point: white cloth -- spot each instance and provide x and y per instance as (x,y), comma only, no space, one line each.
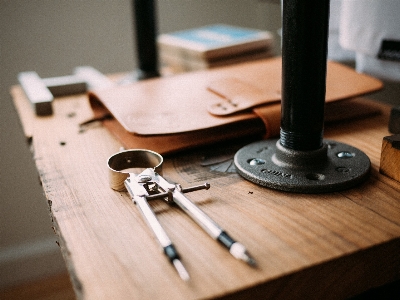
(335,50)
(364,24)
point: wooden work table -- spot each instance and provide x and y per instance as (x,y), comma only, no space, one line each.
(325,246)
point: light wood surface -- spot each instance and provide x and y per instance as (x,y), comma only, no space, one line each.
(325,246)
(390,157)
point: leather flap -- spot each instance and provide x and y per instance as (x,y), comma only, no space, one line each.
(238,95)
(178,104)
(166,105)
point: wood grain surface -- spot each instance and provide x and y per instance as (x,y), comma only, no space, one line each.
(390,157)
(324,246)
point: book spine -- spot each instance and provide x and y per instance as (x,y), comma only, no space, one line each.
(179,64)
(189,50)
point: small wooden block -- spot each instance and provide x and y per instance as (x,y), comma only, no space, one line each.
(390,157)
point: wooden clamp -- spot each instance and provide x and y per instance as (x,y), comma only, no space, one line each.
(390,157)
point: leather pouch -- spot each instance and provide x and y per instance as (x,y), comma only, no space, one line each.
(173,113)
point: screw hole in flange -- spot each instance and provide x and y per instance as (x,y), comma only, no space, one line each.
(331,145)
(315,176)
(342,170)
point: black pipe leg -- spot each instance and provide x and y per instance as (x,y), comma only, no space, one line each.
(301,161)
(144,12)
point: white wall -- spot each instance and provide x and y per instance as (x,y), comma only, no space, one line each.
(51,38)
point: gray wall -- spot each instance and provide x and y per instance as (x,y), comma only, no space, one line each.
(51,38)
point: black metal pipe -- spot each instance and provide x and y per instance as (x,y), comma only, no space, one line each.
(305,25)
(144,14)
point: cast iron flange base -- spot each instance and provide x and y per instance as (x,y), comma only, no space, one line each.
(334,167)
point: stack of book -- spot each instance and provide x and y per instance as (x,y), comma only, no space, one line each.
(212,46)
